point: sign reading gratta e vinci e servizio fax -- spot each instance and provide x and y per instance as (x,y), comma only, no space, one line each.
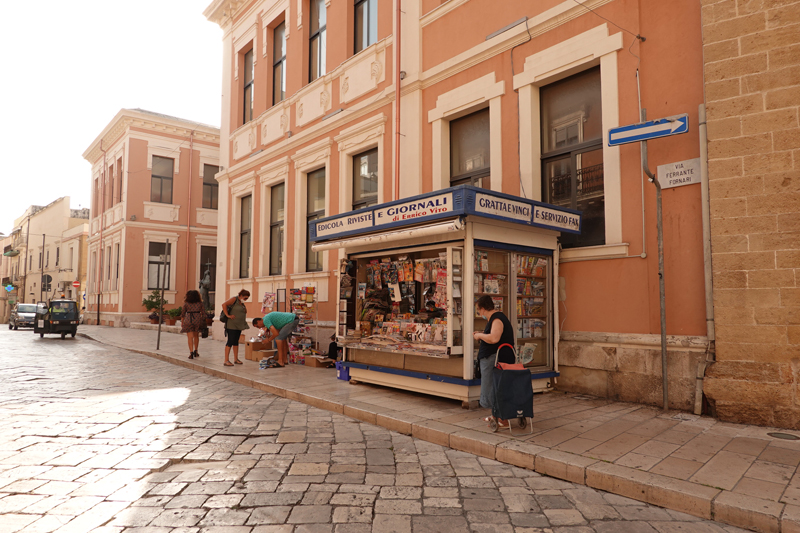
(447,203)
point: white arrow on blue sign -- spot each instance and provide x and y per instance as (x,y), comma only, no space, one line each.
(652,129)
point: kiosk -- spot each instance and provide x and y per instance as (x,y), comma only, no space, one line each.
(411,271)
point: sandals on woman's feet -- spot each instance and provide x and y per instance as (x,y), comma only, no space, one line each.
(238,362)
(228,363)
(487,419)
(502,423)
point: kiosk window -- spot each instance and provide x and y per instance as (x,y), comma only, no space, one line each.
(572,153)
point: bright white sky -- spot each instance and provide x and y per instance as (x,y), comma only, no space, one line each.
(69,67)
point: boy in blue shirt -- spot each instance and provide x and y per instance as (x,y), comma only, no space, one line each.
(278,327)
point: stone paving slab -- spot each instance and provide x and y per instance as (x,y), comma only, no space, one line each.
(671,459)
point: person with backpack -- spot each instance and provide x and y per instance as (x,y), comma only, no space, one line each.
(236,313)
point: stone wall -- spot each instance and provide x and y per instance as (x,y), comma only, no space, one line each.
(627,367)
(752,77)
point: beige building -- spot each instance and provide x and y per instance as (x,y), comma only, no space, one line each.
(153,187)
(8,263)
(51,245)
(752,90)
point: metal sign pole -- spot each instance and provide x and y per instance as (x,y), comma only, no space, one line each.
(661,289)
(161,301)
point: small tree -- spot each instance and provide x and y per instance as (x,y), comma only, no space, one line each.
(154,301)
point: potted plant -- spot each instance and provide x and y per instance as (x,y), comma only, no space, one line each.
(153,303)
(209,317)
(172,315)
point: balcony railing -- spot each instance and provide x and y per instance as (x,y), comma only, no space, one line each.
(588,184)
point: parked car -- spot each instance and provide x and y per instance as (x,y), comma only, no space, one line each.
(23,315)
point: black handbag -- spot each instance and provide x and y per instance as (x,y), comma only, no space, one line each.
(223,317)
(204,333)
(476,374)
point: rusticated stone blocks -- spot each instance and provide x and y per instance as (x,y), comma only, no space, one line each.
(752,77)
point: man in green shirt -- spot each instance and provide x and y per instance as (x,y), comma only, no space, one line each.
(279,326)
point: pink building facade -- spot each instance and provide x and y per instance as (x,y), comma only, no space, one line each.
(153,191)
(517,100)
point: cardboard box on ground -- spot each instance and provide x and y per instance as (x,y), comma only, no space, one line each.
(255,346)
(318,361)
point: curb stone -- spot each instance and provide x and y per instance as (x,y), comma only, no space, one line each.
(675,494)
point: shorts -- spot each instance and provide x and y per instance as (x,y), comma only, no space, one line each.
(232,336)
(287,330)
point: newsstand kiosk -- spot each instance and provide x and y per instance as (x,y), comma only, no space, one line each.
(411,271)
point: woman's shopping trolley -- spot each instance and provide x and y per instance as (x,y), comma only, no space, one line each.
(513,393)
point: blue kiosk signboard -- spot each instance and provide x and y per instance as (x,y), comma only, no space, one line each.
(413,270)
(463,200)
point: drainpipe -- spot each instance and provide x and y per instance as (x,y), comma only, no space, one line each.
(27,248)
(661,287)
(100,248)
(397,105)
(709,287)
(189,209)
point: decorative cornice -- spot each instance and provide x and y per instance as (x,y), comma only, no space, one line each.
(128,118)
(536,26)
(222,12)
(373,127)
(440,11)
(336,122)
(312,153)
(243,184)
(276,168)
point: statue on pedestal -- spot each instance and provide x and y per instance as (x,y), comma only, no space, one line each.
(205,286)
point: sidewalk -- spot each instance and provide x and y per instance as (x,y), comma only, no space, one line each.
(732,473)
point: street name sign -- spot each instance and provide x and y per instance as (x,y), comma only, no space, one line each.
(652,129)
(679,174)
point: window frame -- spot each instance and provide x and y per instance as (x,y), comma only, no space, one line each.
(370,5)
(472,177)
(315,215)
(365,203)
(212,291)
(248,87)
(569,241)
(161,179)
(212,187)
(245,233)
(167,266)
(320,36)
(583,51)
(116,265)
(118,199)
(279,62)
(278,224)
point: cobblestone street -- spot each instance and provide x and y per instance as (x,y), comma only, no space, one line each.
(98,439)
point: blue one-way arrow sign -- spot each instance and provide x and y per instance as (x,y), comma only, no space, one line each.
(652,129)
